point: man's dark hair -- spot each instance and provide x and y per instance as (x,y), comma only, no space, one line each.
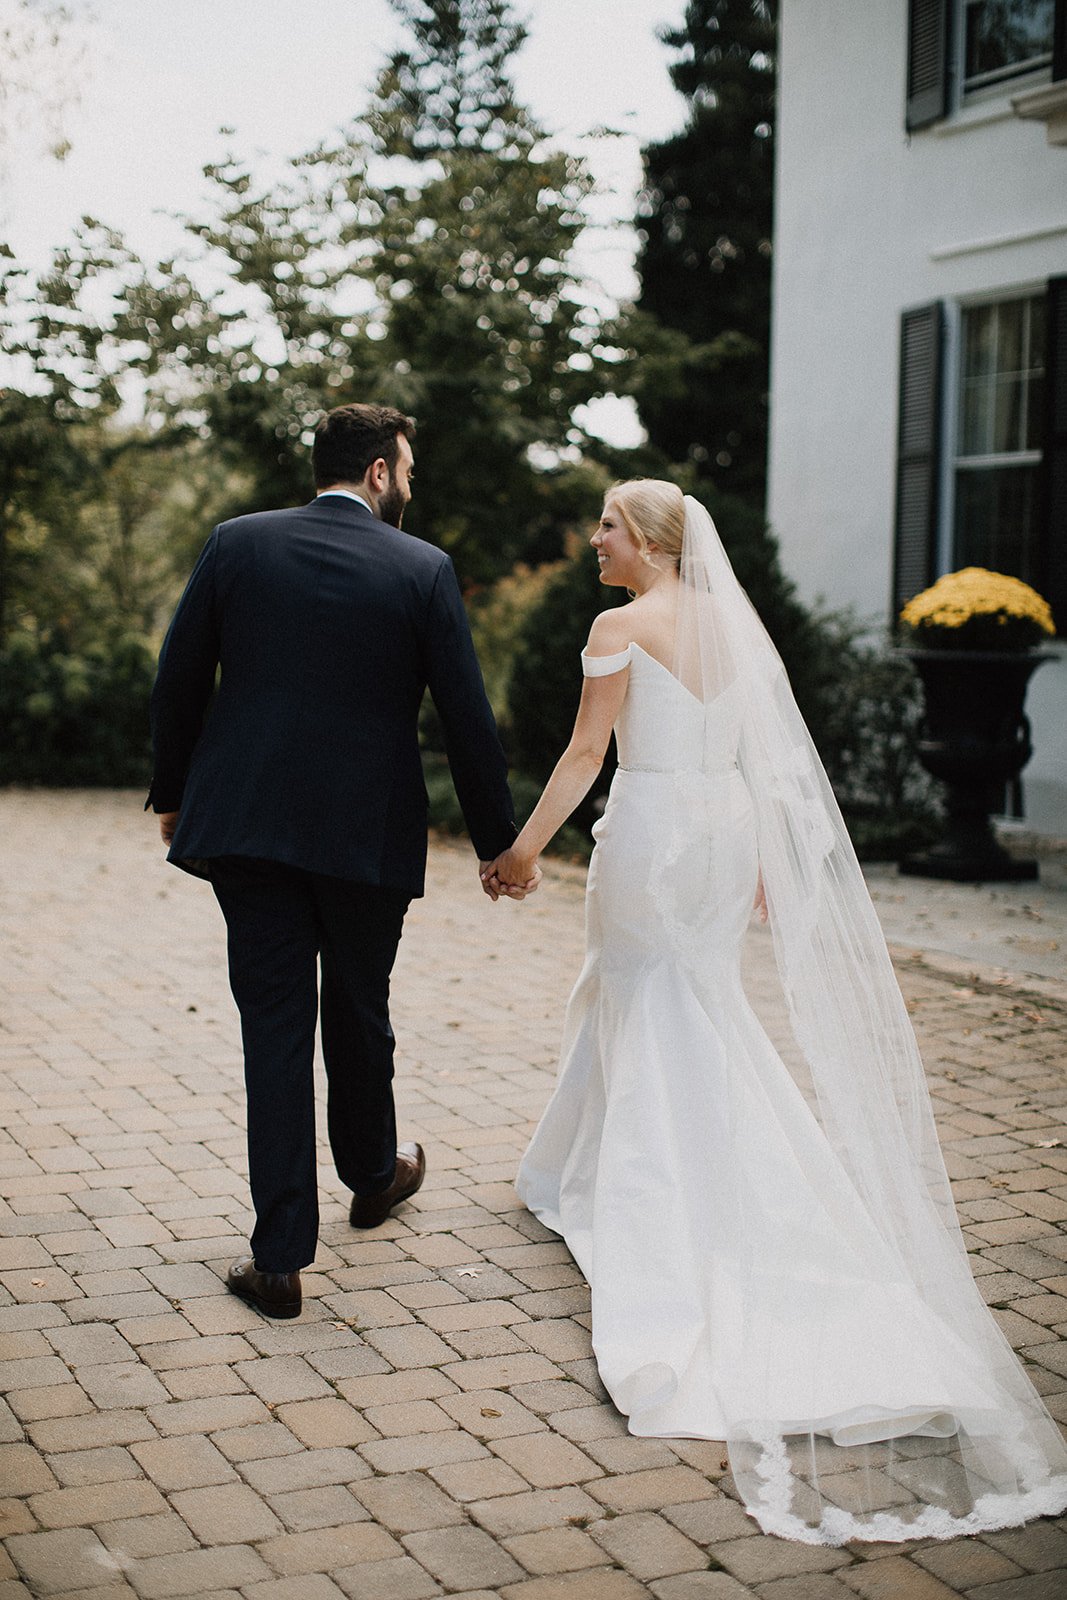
(349,439)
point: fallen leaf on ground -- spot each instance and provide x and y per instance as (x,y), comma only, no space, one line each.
(469,1272)
(487,1411)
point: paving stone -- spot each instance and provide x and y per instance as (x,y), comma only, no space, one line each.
(647,1546)
(1039,1547)
(555,1550)
(197,1572)
(889,1578)
(22,1471)
(373,1308)
(1032,1586)
(99,1428)
(500,1372)
(720,1586)
(96,1503)
(183,1463)
(228,1513)
(324,1423)
(599,1583)
(52,1563)
(478,1480)
(207,1416)
(490,1414)
(253,1443)
(90,1345)
(626,1454)
(308,1586)
(394,1388)
(760,1560)
(400,1579)
(280,1378)
(138,1537)
(327,1549)
(468,1314)
(16,1517)
(511,1514)
(326,1507)
(307,1469)
(414,1346)
(36,1372)
(121,1385)
(407,1502)
(546,1461)
(408,1417)
(712,1521)
(805,1586)
(965,1563)
(418,1452)
(463,1558)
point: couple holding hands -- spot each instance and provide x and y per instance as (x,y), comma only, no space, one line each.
(773,1253)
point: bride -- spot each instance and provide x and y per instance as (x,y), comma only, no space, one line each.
(773,1252)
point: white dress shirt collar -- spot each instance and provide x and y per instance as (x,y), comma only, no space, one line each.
(349,495)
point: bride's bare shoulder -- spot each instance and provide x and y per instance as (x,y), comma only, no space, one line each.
(612,631)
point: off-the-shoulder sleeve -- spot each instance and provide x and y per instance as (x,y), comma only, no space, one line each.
(603,666)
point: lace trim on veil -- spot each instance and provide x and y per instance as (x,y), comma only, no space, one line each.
(777,1484)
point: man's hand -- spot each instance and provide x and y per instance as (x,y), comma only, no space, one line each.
(168,821)
(510,875)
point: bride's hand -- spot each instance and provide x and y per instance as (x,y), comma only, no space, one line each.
(760,903)
(512,874)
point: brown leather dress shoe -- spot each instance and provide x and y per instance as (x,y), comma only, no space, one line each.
(276,1294)
(370,1211)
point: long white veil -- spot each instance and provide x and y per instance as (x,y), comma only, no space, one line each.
(898,1470)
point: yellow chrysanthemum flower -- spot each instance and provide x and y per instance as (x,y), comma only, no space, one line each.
(979,609)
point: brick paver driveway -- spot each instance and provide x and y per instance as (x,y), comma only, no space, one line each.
(433,1422)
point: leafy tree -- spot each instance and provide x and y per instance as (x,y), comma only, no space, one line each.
(41,59)
(705,217)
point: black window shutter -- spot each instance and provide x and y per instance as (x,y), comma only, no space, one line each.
(918,451)
(1054,457)
(928,24)
(1059,42)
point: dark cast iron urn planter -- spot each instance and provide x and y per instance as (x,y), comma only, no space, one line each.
(975,739)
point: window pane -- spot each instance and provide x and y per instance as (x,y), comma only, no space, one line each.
(976,418)
(1006,36)
(979,341)
(1002,377)
(996,520)
(1035,400)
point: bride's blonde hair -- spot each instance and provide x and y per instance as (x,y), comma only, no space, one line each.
(653,512)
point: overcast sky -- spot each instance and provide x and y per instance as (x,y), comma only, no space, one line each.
(160,77)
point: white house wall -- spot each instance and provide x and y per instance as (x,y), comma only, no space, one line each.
(869,222)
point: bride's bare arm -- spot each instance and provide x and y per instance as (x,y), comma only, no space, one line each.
(576,768)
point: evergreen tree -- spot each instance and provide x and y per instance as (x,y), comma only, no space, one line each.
(704,264)
(468,220)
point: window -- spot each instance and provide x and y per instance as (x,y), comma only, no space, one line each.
(1003,39)
(982,442)
(997,468)
(961,51)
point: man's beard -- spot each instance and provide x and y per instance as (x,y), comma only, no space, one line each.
(391,504)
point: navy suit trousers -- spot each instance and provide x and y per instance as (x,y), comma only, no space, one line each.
(281,923)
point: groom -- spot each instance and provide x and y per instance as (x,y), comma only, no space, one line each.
(298,791)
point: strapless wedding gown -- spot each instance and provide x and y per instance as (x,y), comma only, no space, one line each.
(735,1270)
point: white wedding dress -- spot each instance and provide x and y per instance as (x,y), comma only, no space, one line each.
(742,1287)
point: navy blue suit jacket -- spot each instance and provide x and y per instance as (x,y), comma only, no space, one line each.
(328,625)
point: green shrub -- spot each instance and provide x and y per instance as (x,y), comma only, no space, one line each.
(69,717)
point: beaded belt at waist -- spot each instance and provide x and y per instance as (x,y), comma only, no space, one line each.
(683,772)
